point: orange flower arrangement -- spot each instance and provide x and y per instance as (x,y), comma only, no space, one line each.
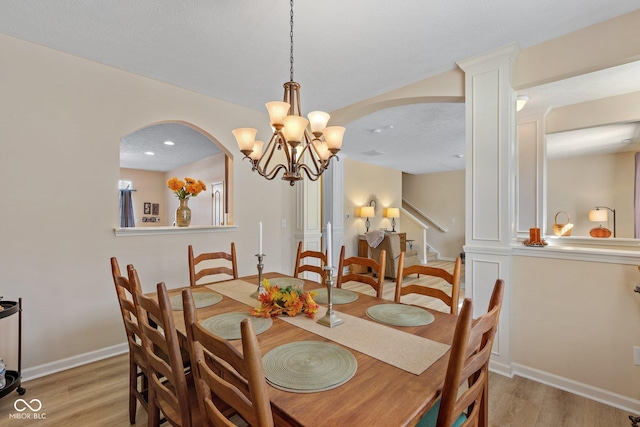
(187,188)
(290,301)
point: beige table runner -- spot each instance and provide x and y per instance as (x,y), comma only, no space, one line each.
(401,349)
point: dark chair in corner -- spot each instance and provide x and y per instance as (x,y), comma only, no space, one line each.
(312,261)
(229,265)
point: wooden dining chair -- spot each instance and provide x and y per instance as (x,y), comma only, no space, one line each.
(468,366)
(138,373)
(377,267)
(171,391)
(312,261)
(229,264)
(221,371)
(453,279)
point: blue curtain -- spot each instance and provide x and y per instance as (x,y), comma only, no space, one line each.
(126,209)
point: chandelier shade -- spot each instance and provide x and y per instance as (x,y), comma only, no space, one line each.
(297,146)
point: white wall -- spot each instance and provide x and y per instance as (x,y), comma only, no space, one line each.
(62,119)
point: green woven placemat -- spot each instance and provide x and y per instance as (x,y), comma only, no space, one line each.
(400,315)
(227,325)
(309,366)
(338,296)
(283,282)
(201,299)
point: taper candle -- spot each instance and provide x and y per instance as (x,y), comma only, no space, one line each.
(329,245)
(260,239)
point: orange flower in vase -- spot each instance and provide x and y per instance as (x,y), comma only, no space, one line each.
(184,190)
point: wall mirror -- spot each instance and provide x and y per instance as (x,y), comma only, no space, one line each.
(155,153)
(591,126)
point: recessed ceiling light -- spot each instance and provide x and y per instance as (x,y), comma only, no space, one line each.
(169,143)
(149,153)
(379,130)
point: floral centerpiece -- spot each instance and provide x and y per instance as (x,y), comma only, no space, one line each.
(187,188)
(290,301)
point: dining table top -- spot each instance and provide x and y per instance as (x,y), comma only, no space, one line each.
(378,394)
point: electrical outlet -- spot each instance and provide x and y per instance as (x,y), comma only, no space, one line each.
(636,355)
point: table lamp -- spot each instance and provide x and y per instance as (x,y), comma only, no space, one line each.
(366,212)
(599,214)
(392,213)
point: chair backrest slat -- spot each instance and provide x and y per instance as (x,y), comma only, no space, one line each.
(377,267)
(452,278)
(240,383)
(168,391)
(303,264)
(229,268)
(469,363)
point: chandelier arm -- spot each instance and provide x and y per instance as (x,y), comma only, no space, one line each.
(310,174)
(274,142)
(274,172)
(268,153)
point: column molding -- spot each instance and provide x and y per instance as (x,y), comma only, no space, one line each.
(491,183)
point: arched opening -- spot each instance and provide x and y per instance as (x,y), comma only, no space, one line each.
(150,156)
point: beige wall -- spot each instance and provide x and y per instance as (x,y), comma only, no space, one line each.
(440,196)
(577,320)
(208,170)
(578,184)
(360,182)
(150,188)
(62,119)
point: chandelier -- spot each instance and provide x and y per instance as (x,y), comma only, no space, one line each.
(292,142)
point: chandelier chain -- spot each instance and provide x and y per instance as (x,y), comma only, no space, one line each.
(291,45)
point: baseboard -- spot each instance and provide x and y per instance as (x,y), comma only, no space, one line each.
(501,368)
(72,362)
(599,395)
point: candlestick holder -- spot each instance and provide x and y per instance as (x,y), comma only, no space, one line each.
(330,319)
(260,287)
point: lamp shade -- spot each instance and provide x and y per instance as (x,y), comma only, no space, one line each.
(366,212)
(245,138)
(294,127)
(318,121)
(333,136)
(277,111)
(521,101)
(598,215)
(257,150)
(392,213)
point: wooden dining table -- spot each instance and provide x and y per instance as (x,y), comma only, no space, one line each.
(379,394)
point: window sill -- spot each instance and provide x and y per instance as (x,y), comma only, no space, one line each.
(618,251)
(148,231)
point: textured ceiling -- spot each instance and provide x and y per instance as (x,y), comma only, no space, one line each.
(344,52)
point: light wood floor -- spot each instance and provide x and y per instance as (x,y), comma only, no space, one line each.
(96,395)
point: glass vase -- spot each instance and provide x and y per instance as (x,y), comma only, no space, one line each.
(183,214)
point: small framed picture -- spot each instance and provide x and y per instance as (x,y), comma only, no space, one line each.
(156,209)
(147,208)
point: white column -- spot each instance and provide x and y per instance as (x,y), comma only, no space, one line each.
(333,204)
(490,185)
(308,228)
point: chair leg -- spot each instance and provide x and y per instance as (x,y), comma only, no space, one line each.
(133,386)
